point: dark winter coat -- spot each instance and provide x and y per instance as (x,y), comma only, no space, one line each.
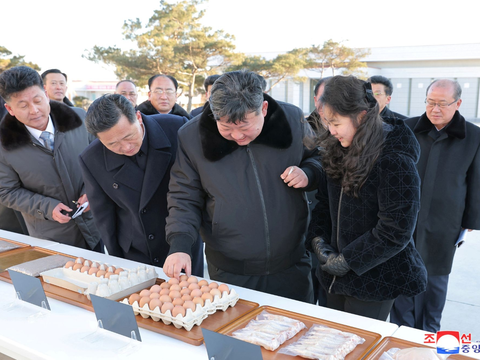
(148,109)
(251,221)
(374,231)
(449,168)
(34,180)
(387,114)
(129,204)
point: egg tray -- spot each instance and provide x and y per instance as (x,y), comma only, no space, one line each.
(191,318)
(79,282)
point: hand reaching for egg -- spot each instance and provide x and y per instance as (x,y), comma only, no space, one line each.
(177,262)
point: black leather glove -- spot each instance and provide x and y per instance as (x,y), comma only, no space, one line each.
(322,250)
(336,265)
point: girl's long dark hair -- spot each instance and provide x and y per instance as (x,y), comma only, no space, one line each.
(349,96)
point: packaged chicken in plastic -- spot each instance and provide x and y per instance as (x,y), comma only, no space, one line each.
(269,330)
(414,353)
(324,343)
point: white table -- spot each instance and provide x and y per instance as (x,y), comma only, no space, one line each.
(60,333)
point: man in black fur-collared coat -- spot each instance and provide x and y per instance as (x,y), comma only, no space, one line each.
(37,179)
(239,178)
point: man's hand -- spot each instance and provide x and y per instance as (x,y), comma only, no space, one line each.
(336,265)
(293,176)
(58,216)
(322,250)
(83,199)
(177,262)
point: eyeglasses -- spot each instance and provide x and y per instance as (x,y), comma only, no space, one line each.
(378,93)
(128,93)
(168,92)
(432,104)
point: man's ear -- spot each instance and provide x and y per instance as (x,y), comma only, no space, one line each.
(9,109)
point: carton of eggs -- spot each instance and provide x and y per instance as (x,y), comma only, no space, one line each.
(183,303)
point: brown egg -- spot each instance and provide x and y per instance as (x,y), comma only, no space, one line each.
(185,291)
(85,269)
(186,298)
(94,264)
(175,287)
(198,300)
(213,285)
(189,305)
(183,277)
(154,295)
(203,283)
(207,296)
(133,298)
(193,286)
(205,289)
(196,293)
(92,271)
(166,306)
(118,271)
(69,264)
(216,292)
(145,292)
(103,267)
(223,288)
(87,263)
(184,284)
(178,309)
(164,292)
(144,300)
(165,299)
(155,288)
(173,281)
(101,273)
(192,279)
(165,285)
(108,274)
(175,294)
(79,260)
(112,269)
(154,303)
(77,266)
(178,301)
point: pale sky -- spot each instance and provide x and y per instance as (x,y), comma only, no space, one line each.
(55,33)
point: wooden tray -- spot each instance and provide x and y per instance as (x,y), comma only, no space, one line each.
(390,342)
(23,254)
(370,338)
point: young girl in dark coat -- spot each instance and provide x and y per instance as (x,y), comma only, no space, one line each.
(362,226)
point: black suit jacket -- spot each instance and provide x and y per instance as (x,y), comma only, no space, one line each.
(130,206)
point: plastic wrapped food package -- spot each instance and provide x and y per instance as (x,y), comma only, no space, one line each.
(35,267)
(6,246)
(323,343)
(414,353)
(269,330)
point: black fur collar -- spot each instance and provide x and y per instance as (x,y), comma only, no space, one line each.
(276,132)
(456,127)
(13,134)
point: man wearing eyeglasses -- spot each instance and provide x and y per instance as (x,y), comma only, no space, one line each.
(382,91)
(128,89)
(162,97)
(449,168)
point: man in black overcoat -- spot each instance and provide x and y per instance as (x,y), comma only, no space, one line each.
(126,174)
(449,168)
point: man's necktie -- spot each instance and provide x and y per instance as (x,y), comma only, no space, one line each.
(47,139)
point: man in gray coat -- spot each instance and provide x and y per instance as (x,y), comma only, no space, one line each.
(449,168)
(39,171)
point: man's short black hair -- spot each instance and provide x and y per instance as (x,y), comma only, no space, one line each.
(379,79)
(319,83)
(105,112)
(126,80)
(18,79)
(150,81)
(53,71)
(209,81)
